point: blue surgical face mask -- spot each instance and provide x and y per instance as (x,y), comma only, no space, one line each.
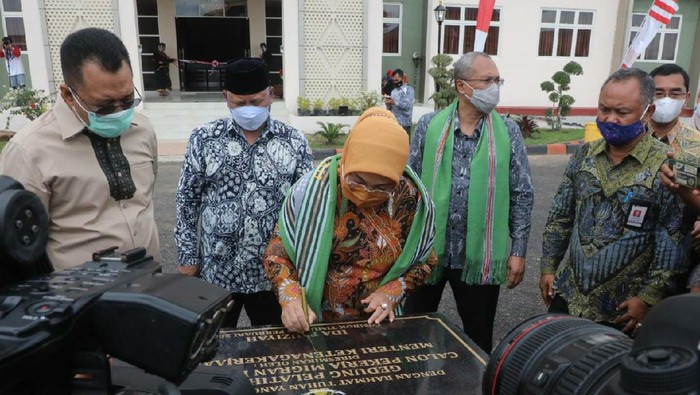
(250,117)
(621,135)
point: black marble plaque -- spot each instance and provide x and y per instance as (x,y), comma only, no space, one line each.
(421,354)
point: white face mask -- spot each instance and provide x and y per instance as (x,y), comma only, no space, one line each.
(667,109)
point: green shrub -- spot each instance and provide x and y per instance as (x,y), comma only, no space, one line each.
(330,131)
(555,88)
(367,100)
(445,92)
(30,103)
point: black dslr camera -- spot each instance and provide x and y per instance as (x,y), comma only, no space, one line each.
(560,354)
(57,328)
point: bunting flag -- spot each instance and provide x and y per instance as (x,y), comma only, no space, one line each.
(483,20)
(659,15)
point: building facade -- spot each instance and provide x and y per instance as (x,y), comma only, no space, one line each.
(323,49)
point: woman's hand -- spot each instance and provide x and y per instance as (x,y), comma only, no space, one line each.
(380,306)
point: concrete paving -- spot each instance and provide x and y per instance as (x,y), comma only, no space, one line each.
(515,305)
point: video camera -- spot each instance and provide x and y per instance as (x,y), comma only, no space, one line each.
(561,354)
(57,328)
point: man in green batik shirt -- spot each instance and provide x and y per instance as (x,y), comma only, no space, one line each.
(622,227)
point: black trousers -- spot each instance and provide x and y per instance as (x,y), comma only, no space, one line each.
(262,309)
(476,305)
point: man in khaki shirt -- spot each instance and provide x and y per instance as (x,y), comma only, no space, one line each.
(91,160)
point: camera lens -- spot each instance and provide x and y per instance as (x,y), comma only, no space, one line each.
(661,370)
(555,354)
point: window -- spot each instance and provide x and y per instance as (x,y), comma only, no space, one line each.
(213,8)
(13,23)
(664,46)
(565,33)
(459,30)
(392,29)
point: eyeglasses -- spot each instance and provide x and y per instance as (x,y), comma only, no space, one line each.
(110,109)
(384,189)
(495,80)
(674,94)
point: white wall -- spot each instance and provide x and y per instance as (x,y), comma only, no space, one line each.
(517,58)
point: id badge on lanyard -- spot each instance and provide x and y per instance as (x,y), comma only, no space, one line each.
(637,212)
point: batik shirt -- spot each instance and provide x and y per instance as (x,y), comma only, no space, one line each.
(682,138)
(235,190)
(611,261)
(521,193)
(403,104)
(366,243)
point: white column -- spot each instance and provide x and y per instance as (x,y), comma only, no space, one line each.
(431,49)
(168,35)
(128,32)
(290,56)
(374,41)
(256,23)
(37,46)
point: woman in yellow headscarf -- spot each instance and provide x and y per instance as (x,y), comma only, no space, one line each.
(355,253)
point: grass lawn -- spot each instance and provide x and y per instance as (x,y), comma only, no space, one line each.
(547,136)
(318,142)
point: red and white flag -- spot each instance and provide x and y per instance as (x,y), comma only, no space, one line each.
(659,15)
(483,20)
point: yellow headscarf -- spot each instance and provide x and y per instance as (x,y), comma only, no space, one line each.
(377,144)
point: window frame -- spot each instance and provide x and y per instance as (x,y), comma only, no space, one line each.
(556,25)
(462,23)
(661,33)
(398,21)
(13,14)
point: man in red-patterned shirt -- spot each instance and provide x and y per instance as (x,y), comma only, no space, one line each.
(15,68)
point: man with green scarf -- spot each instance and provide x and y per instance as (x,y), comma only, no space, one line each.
(475,165)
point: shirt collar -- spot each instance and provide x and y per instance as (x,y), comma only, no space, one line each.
(672,134)
(477,131)
(640,152)
(68,122)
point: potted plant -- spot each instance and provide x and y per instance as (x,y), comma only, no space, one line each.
(345,107)
(318,107)
(304,106)
(333,104)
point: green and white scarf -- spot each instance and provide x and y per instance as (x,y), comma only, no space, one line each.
(307,223)
(489,196)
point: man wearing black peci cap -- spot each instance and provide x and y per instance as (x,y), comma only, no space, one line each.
(235,175)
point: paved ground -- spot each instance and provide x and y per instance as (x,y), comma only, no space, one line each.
(515,305)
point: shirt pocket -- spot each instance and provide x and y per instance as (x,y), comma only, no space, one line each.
(143,175)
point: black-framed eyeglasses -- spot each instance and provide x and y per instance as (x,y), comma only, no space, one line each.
(495,80)
(674,94)
(109,109)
